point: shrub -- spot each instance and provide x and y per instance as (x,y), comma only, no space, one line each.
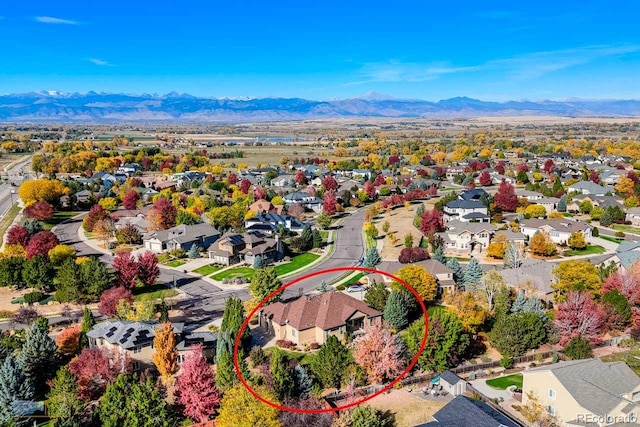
(33,297)
(314,346)
(619,234)
(506,362)
(285,344)
(595,232)
(7,314)
(177,253)
(257,356)
(411,255)
(341,287)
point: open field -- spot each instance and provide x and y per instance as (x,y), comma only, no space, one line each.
(401,222)
(408,410)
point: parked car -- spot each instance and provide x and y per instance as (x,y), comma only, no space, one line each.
(356,288)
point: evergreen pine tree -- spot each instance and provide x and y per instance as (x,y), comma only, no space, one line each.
(62,400)
(14,385)
(307,237)
(232,320)
(193,251)
(372,258)
(323,287)
(38,358)
(606,219)
(87,324)
(455,266)
(225,373)
(303,382)
(519,303)
(283,382)
(317,238)
(164,312)
(562,204)
(472,275)
(395,311)
(534,305)
(438,255)
(257,262)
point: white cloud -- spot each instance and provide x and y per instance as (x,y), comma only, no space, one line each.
(518,67)
(52,20)
(100,62)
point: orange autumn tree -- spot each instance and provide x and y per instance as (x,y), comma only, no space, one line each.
(68,341)
(166,356)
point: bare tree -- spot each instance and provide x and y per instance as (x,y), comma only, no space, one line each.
(514,255)
(492,282)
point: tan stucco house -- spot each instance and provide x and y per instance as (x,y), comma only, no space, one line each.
(585,392)
(312,318)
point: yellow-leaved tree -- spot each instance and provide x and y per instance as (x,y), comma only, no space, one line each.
(37,190)
(418,278)
(576,275)
(166,356)
(239,408)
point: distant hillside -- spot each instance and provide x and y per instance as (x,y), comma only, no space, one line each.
(174,107)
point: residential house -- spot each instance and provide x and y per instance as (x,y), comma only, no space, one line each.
(271,223)
(534,277)
(233,248)
(453,171)
(283,181)
(135,217)
(305,199)
(466,211)
(600,201)
(558,229)
(467,237)
(474,194)
(129,169)
(464,411)
(633,216)
(313,318)
(549,203)
(135,339)
(587,187)
(531,196)
(627,254)
(585,392)
(264,206)
(181,237)
(442,273)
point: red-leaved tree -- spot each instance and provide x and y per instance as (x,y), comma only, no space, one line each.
(485,178)
(379,180)
(624,282)
(41,243)
(130,199)
(259,193)
(329,183)
(18,235)
(548,166)
(370,189)
(245,185)
(126,270)
(410,255)
(96,213)
(163,215)
(95,368)
(300,178)
(148,270)
(232,179)
(310,190)
(111,297)
(196,390)
(41,211)
(579,316)
(594,177)
(329,203)
(506,198)
(431,222)
(380,353)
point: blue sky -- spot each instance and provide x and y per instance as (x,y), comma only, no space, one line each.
(491,50)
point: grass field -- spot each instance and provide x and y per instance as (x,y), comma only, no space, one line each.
(153,292)
(58,217)
(589,250)
(246,272)
(206,270)
(404,409)
(7,220)
(501,383)
(297,262)
(325,236)
(611,239)
(626,228)
(175,263)
(304,358)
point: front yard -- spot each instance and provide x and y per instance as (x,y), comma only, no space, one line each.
(206,270)
(626,228)
(154,292)
(296,263)
(175,263)
(232,273)
(58,217)
(589,250)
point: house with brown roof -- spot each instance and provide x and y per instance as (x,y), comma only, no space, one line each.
(233,248)
(313,318)
(558,229)
(264,206)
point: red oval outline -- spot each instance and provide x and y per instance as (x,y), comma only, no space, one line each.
(423,343)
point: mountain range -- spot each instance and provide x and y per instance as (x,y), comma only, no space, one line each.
(91,107)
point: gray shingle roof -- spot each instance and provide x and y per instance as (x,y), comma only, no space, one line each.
(596,386)
(457,227)
(465,412)
(466,204)
(183,233)
(128,334)
(534,272)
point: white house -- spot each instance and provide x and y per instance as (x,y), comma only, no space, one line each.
(558,229)
(466,211)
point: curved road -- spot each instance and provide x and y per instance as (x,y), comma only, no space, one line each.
(205,301)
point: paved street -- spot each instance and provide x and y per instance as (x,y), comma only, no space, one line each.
(204,301)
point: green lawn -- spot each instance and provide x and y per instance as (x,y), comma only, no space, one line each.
(325,236)
(631,357)
(7,220)
(626,228)
(611,239)
(206,270)
(246,272)
(501,383)
(58,217)
(154,292)
(175,263)
(304,358)
(589,250)
(354,279)
(297,262)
